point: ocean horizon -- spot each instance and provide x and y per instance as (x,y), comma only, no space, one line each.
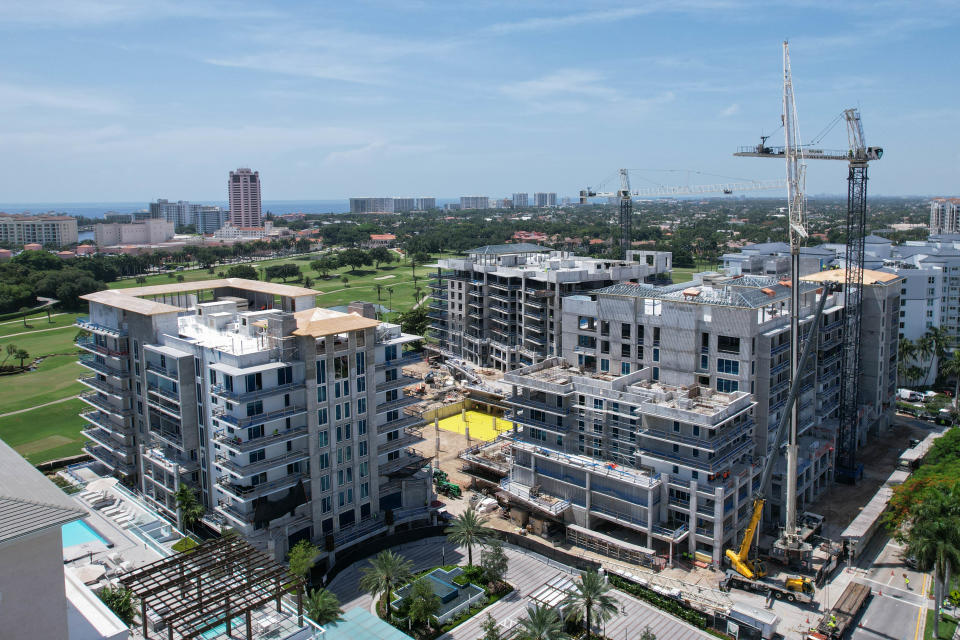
(98,209)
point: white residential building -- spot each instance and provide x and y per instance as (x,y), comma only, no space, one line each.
(474,202)
(152,231)
(944,216)
(286,420)
(521,200)
(541,200)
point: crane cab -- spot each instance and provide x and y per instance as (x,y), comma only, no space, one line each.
(874,153)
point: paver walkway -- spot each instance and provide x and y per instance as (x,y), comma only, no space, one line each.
(527,571)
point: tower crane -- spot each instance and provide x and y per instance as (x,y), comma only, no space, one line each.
(625,196)
(858,157)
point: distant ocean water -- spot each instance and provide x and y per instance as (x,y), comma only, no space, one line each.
(98,209)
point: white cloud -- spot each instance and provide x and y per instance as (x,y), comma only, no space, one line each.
(731,110)
(14,97)
(578,82)
(81,13)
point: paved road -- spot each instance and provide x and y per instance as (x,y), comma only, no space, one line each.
(527,572)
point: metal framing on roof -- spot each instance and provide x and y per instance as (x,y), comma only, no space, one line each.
(504,249)
(217,581)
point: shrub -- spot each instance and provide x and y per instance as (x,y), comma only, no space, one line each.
(184,545)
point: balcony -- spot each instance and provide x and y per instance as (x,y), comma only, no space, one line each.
(234,442)
(93,398)
(538,341)
(106,439)
(401,402)
(249,421)
(780,348)
(95,383)
(713,444)
(410,460)
(103,421)
(398,383)
(89,344)
(160,371)
(408,438)
(90,362)
(84,323)
(108,459)
(171,461)
(403,360)
(674,535)
(550,504)
(167,394)
(251,492)
(244,469)
(400,423)
(171,409)
(242,396)
(621,517)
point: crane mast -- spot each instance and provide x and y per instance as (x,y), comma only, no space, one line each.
(626,214)
(796,202)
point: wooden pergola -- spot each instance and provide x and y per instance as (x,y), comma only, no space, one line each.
(212,584)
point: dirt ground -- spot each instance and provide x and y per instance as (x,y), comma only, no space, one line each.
(842,502)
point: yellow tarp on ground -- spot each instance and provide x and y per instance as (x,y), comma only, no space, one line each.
(481,425)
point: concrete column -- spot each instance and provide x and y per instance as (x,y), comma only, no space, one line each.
(692,537)
(717,524)
(587,500)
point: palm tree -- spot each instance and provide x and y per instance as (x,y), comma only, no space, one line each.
(951,367)
(941,340)
(925,349)
(390,298)
(189,507)
(424,603)
(934,540)
(323,607)
(385,572)
(541,623)
(469,528)
(906,350)
(589,595)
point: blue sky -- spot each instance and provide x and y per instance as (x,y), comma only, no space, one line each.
(133,100)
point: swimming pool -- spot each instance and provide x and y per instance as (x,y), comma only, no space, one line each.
(78,532)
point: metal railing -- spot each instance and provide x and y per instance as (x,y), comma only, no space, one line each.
(84,323)
(93,397)
(234,441)
(249,421)
(238,396)
(244,469)
(555,506)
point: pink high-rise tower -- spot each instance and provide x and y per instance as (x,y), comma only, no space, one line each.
(244,190)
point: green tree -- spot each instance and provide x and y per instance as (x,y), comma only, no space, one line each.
(491,630)
(180,277)
(941,342)
(469,529)
(648,634)
(541,623)
(302,557)
(323,607)
(390,298)
(22,355)
(494,561)
(423,603)
(189,507)
(414,321)
(325,264)
(244,271)
(11,351)
(951,367)
(386,571)
(934,540)
(25,311)
(354,258)
(906,350)
(417,258)
(345,280)
(120,601)
(590,600)
(379,255)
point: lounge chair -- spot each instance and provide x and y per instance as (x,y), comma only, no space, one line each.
(103,505)
(114,510)
(124,519)
(95,496)
(83,495)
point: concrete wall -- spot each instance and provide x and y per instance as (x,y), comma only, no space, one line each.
(33,600)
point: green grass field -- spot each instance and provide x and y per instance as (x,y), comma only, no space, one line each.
(42,343)
(55,378)
(47,433)
(195,275)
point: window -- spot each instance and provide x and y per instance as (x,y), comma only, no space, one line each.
(324,460)
(254,408)
(639,353)
(656,373)
(624,350)
(325,483)
(255,432)
(604,365)
(323,438)
(341,368)
(728,344)
(605,346)
(639,334)
(326,504)
(361,364)
(586,341)
(321,371)
(322,416)
(624,368)
(587,323)
(651,307)
(364,490)
(704,362)
(727,386)
(361,448)
(322,393)
(258,455)
(362,383)
(625,331)
(361,406)
(254,382)
(362,427)
(604,328)
(729,367)
(364,469)
(284,376)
